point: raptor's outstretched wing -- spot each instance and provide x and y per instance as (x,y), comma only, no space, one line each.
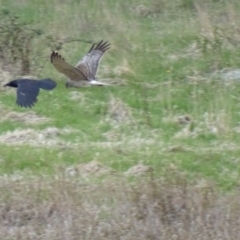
(67,69)
(89,63)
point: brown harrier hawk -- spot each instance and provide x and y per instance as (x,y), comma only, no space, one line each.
(84,73)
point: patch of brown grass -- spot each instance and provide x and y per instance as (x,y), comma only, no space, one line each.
(216,123)
(219,28)
(78,96)
(45,137)
(118,112)
(27,118)
(94,168)
(113,208)
(138,170)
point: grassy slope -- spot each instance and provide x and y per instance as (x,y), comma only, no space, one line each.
(166,75)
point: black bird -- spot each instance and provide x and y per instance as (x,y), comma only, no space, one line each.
(28,90)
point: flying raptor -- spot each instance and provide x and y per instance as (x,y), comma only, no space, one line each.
(28,90)
(84,73)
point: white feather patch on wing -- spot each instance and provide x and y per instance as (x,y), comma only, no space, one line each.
(93,82)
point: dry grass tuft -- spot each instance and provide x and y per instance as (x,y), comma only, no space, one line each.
(138,170)
(27,118)
(183,120)
(118,112)
(141,11)
(46,137)
(94,168)
(218,30)
(192,51)
(216,123)
(119,73)
(78,96)
(177,148)
(123,68)
(61,209)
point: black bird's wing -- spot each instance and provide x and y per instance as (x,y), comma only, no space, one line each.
(27,93)
(47,84)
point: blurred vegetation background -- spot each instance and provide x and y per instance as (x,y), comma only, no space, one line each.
(171,117)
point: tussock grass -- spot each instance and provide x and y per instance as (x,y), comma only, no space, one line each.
(60,208)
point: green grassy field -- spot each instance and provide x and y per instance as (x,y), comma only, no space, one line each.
(168,109)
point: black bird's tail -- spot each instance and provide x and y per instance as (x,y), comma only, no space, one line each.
(47,84)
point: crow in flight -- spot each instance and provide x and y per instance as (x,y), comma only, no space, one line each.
(28,90)
(84,73)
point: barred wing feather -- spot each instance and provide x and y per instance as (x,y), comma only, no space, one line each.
(74,74)
(89,63)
